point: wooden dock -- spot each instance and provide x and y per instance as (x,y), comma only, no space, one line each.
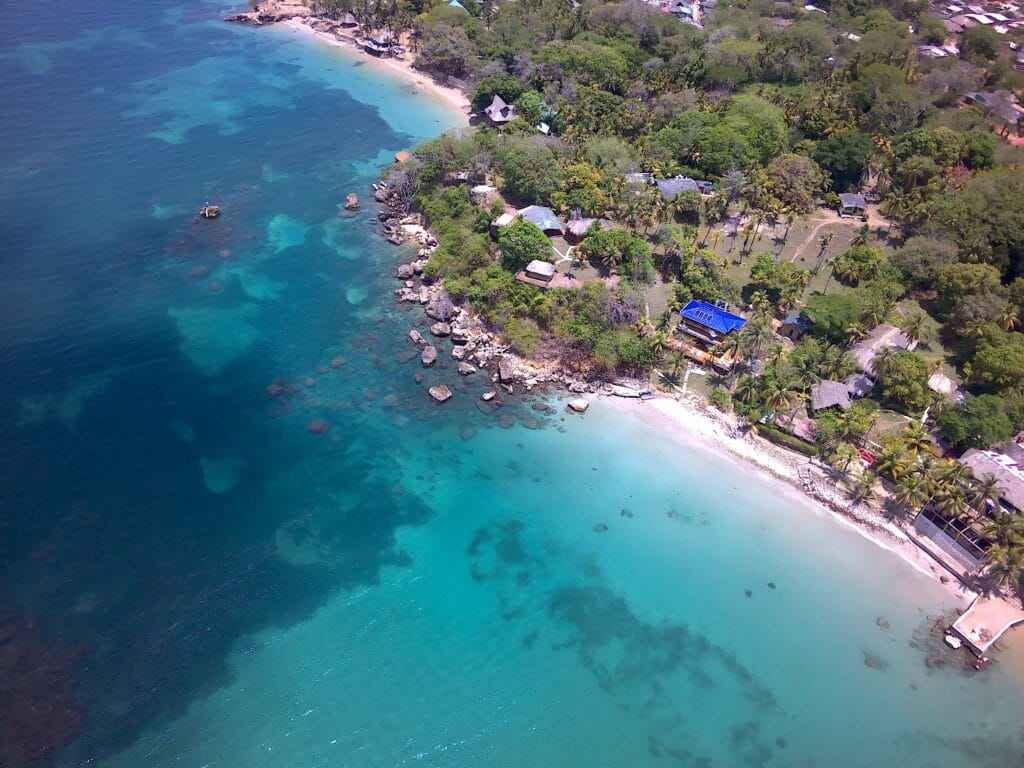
(985,622)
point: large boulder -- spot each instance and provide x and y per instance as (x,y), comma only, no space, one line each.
(465,369)
(506,370)
(404,271)
(429,355)
(441,308)
(441,329)
(416,337)
(458,353)
(352,202)
(440,393)
(579,405)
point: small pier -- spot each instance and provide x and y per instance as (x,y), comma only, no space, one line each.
(985,622)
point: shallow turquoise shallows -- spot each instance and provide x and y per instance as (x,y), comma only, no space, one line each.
(200,575)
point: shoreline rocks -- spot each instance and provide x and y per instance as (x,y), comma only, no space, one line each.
(352,202)
(429,356)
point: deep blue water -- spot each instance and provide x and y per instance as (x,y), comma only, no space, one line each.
(189,576)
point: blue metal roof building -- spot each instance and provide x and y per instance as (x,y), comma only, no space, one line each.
(708,317)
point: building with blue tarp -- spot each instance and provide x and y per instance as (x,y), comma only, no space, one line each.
(708,322)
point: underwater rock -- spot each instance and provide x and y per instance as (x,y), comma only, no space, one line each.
(440,393)
(318,427)
(274,390)
(539,407)
(390,401)
(416,337)
(309,382)
(506,420)
(600,528)
(872,661)
(337,362)
(882,623)
(488,396)
(771,585)
(465,369)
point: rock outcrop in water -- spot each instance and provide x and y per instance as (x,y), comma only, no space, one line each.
(271,12)
(352,202)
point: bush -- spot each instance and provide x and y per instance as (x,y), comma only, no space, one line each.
(786,440)
(720,398)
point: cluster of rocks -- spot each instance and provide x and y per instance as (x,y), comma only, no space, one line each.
(397,226)
(271,12)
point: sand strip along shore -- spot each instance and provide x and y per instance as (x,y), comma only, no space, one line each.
(401,66)
(707,428)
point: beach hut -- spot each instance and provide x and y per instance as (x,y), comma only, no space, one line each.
(853,204)
(500,223)
(539,273)
(500,112)
(709,323)
(577,229)
(379,44)
(543,218)
(829,394)
(795,325)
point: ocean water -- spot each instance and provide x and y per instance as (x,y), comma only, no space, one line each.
(189,576)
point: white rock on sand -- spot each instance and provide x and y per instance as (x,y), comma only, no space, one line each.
(579,405)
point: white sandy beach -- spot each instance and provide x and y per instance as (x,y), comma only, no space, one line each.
(400,66)
(692,423)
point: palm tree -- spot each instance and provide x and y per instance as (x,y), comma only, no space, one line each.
(1005,566)
(983,494)
(915,439)
(911,491)
(779,396)
(864,487)
(862,237)
(892,461)
(843,455)
(855,332)
(914,326)
(734,183)
(676,363)
(1009,318)
(747,390)
(882,362)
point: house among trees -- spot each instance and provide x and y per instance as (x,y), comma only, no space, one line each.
(829,394)
(880,337)
(578,226)
(379,44)
(853,204)
(504,220)
(1005,468)
(795,325)
(1001,109)
(682,184)
(499,112)
(707,322)
(543,218)
(539,273)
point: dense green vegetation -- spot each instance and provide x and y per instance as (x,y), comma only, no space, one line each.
(782,110)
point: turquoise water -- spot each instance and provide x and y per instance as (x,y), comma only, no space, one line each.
(188,576)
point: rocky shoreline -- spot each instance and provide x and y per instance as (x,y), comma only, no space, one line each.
(474,345)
